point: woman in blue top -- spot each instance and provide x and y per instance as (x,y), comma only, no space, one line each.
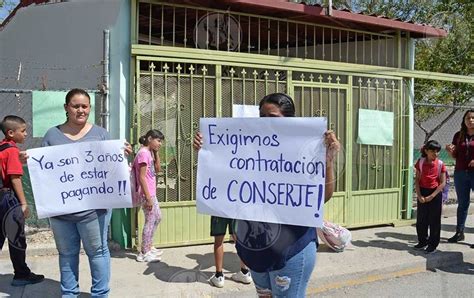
(90,226)
(281,257)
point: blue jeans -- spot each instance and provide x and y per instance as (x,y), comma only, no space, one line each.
(291,280)
(68,236)
(464,183)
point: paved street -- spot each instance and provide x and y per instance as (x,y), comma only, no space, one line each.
(455,281)
(379,254)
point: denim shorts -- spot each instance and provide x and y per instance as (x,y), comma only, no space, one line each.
(291,280)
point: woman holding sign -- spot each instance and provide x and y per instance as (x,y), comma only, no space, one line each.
(281,257)
(90,226)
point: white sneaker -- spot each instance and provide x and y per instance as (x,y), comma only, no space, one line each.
(241,277)
(217,282)
(157,252)
(149,257)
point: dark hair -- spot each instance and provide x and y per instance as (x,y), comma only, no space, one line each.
(76,91)
(430,145)
(153,133)
(463,131)
(283,101)
(11,122)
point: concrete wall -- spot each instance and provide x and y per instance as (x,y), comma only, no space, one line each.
(60,46)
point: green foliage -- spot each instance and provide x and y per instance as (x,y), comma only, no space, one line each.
(453,54)
(7,6)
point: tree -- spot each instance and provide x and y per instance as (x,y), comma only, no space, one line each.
(452,54)
(7,6)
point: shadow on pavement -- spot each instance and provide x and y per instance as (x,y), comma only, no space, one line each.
(464,268)
(46,288)
(435,261)
(452,228)
(176,274)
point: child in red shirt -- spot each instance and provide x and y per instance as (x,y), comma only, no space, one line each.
(13,206)
(429,183)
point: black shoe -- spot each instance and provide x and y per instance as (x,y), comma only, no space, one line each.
(472,245)
(430,250)
(420,246)
(459,236)
(29,280)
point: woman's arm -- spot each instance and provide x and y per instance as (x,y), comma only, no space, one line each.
(333,147)
(451,149)
(330,181)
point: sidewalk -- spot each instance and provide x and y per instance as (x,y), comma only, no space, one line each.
(378,253)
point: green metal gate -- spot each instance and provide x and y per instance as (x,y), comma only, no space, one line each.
(172,94)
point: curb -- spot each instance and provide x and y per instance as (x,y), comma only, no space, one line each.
(431,263)
(440,259)
(50,250)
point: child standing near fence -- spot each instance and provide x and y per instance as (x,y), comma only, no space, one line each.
(146,165)
(429,183)
(13,205)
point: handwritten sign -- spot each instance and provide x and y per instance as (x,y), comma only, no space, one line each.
(81,176)
(263,169)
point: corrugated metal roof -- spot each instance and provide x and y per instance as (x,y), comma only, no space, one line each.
(381,16)
(311,13)
(340,17)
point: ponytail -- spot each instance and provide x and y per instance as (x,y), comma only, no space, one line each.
(153,133)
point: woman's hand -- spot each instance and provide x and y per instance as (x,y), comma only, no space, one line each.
(197,142)
(23,157)
(450,148)
(128,148)
(332,144)
(471,164)
(421,199)
(25,210)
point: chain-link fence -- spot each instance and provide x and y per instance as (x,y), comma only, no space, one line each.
(440,123)
(437,122)
(19,103)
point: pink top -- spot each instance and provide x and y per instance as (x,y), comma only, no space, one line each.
(144,157)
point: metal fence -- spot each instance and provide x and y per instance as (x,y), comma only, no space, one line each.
(19,103)
(174,25)
(437,122)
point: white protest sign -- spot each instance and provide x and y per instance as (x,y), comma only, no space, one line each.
(80,176)
(263,169)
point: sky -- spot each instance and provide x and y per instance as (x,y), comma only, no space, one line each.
(10,4)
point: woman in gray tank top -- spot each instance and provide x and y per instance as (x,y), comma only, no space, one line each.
(90,226)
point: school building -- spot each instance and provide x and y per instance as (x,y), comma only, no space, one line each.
(166,64)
